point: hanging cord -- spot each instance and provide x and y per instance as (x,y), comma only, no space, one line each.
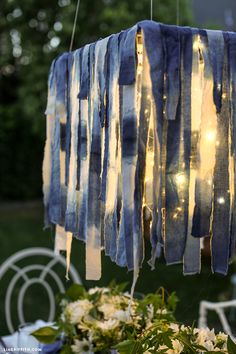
(177,12)
(151,9)
(74,26)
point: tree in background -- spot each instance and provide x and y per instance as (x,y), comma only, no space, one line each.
(32,33)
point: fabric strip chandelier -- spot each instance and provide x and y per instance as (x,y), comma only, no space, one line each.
(141,133)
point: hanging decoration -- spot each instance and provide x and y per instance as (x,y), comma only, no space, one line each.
(141,134)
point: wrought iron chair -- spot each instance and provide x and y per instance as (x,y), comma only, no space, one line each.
(219,308)
(34,273)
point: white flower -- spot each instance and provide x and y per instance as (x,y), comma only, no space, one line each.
(174,327)
(96,289)
(162,311)
(108,310)
(82,347)
(122,316)
(209,345)
(162,347)
(177,346)
(221,336)
(204,335)
(150,311)
(107,325)
(77,310)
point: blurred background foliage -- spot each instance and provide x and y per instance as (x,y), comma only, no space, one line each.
(32,33)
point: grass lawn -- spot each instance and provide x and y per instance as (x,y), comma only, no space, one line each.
(21,226)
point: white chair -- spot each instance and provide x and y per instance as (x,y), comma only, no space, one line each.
(34,273)
(218,307)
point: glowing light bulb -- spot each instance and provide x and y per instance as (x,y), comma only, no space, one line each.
(195,45)
(180,179)
(221,200)
(146,111)
(210,135)
(209,182)
(224,96)
(175,216)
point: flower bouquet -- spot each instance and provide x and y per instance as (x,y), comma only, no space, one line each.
(104,320)
(107,320)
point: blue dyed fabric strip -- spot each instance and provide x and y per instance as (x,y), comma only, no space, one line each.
(171,42)
(220,241)
(57,196)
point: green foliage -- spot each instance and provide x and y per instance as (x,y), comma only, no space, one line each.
(76,292)
(46,335)
(231,346)
(32,33)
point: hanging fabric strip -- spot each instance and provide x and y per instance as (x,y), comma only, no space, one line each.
(142,121)
(84,148)
(70,224)
(171,39)
(185,138)
(112,150)
(192,249)
(206,150)
(79,124)
(68,121)
(58,190)
(60,239)
(93,236)
(232,68)
(47,161)
(129,147)
(220,242)
(152,40)
(176,178)
(69,237)
(120,257)
(216,48)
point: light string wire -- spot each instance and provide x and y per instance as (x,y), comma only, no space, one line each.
(74,26)
(177,12)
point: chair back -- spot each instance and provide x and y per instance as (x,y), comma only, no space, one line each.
(40,268)
(219,308)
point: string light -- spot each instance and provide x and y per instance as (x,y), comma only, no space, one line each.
(221,200)
(180,178)
(210,135)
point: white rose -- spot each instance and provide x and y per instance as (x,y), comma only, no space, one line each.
(77,310)
(174,327)
(108,310)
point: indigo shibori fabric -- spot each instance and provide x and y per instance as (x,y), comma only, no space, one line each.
(141,140)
